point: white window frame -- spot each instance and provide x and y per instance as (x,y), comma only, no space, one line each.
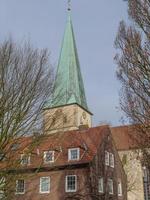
(17,187)
(66,185)
(49,182)
(15,146)
(28,157)
(112,160)
(44,157)
(2,186)
(106,158)
(119,188)
(110,185)
(69,154)
(101,182)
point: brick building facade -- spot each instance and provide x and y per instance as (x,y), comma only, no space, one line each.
(69,165)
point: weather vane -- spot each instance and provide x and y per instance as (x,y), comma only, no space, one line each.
(69,4)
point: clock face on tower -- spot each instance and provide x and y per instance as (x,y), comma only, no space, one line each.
(84,119)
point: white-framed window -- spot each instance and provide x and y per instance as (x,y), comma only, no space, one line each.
(2,187)
(2,156)
(111,160)
(106,158)
(2,195)
(25,159)
(73,154)
(20,186)
(119,188)
(45,185)
(48,156)
(14,146)
(110,186)
(71,183)
(101,185)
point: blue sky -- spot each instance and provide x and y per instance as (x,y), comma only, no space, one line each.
(95,25)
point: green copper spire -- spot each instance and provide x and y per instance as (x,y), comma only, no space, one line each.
(68,86)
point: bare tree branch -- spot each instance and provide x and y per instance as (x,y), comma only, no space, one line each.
(133,71)
(26,80)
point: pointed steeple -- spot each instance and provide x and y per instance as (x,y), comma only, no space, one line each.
(68,86)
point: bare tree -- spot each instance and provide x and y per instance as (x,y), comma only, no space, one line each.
(133,72)
(25,82)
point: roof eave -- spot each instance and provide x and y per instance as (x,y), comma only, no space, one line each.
(47,108)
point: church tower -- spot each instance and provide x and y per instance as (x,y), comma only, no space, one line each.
(67,109)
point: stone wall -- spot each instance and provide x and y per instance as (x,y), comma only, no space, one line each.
(134,174)
(66,118)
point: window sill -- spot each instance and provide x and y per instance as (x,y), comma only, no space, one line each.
(73,160)
(45,192)
(19,193)
(71,191)
(49,162)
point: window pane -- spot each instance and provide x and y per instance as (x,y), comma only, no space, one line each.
(14,146)
(2,156)
(45,184)
(2,187)
(119,189)
(73,154)
(111,160)
(71,183)
(20,186)
(49,156)
(100,185)
(25,159)
(110,186)
(107,158)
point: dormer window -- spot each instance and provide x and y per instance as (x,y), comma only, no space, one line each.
(48,156)
(74,154)
(25,159)
(14,146)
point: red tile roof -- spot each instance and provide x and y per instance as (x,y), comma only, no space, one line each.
(87,140)
(122,136)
